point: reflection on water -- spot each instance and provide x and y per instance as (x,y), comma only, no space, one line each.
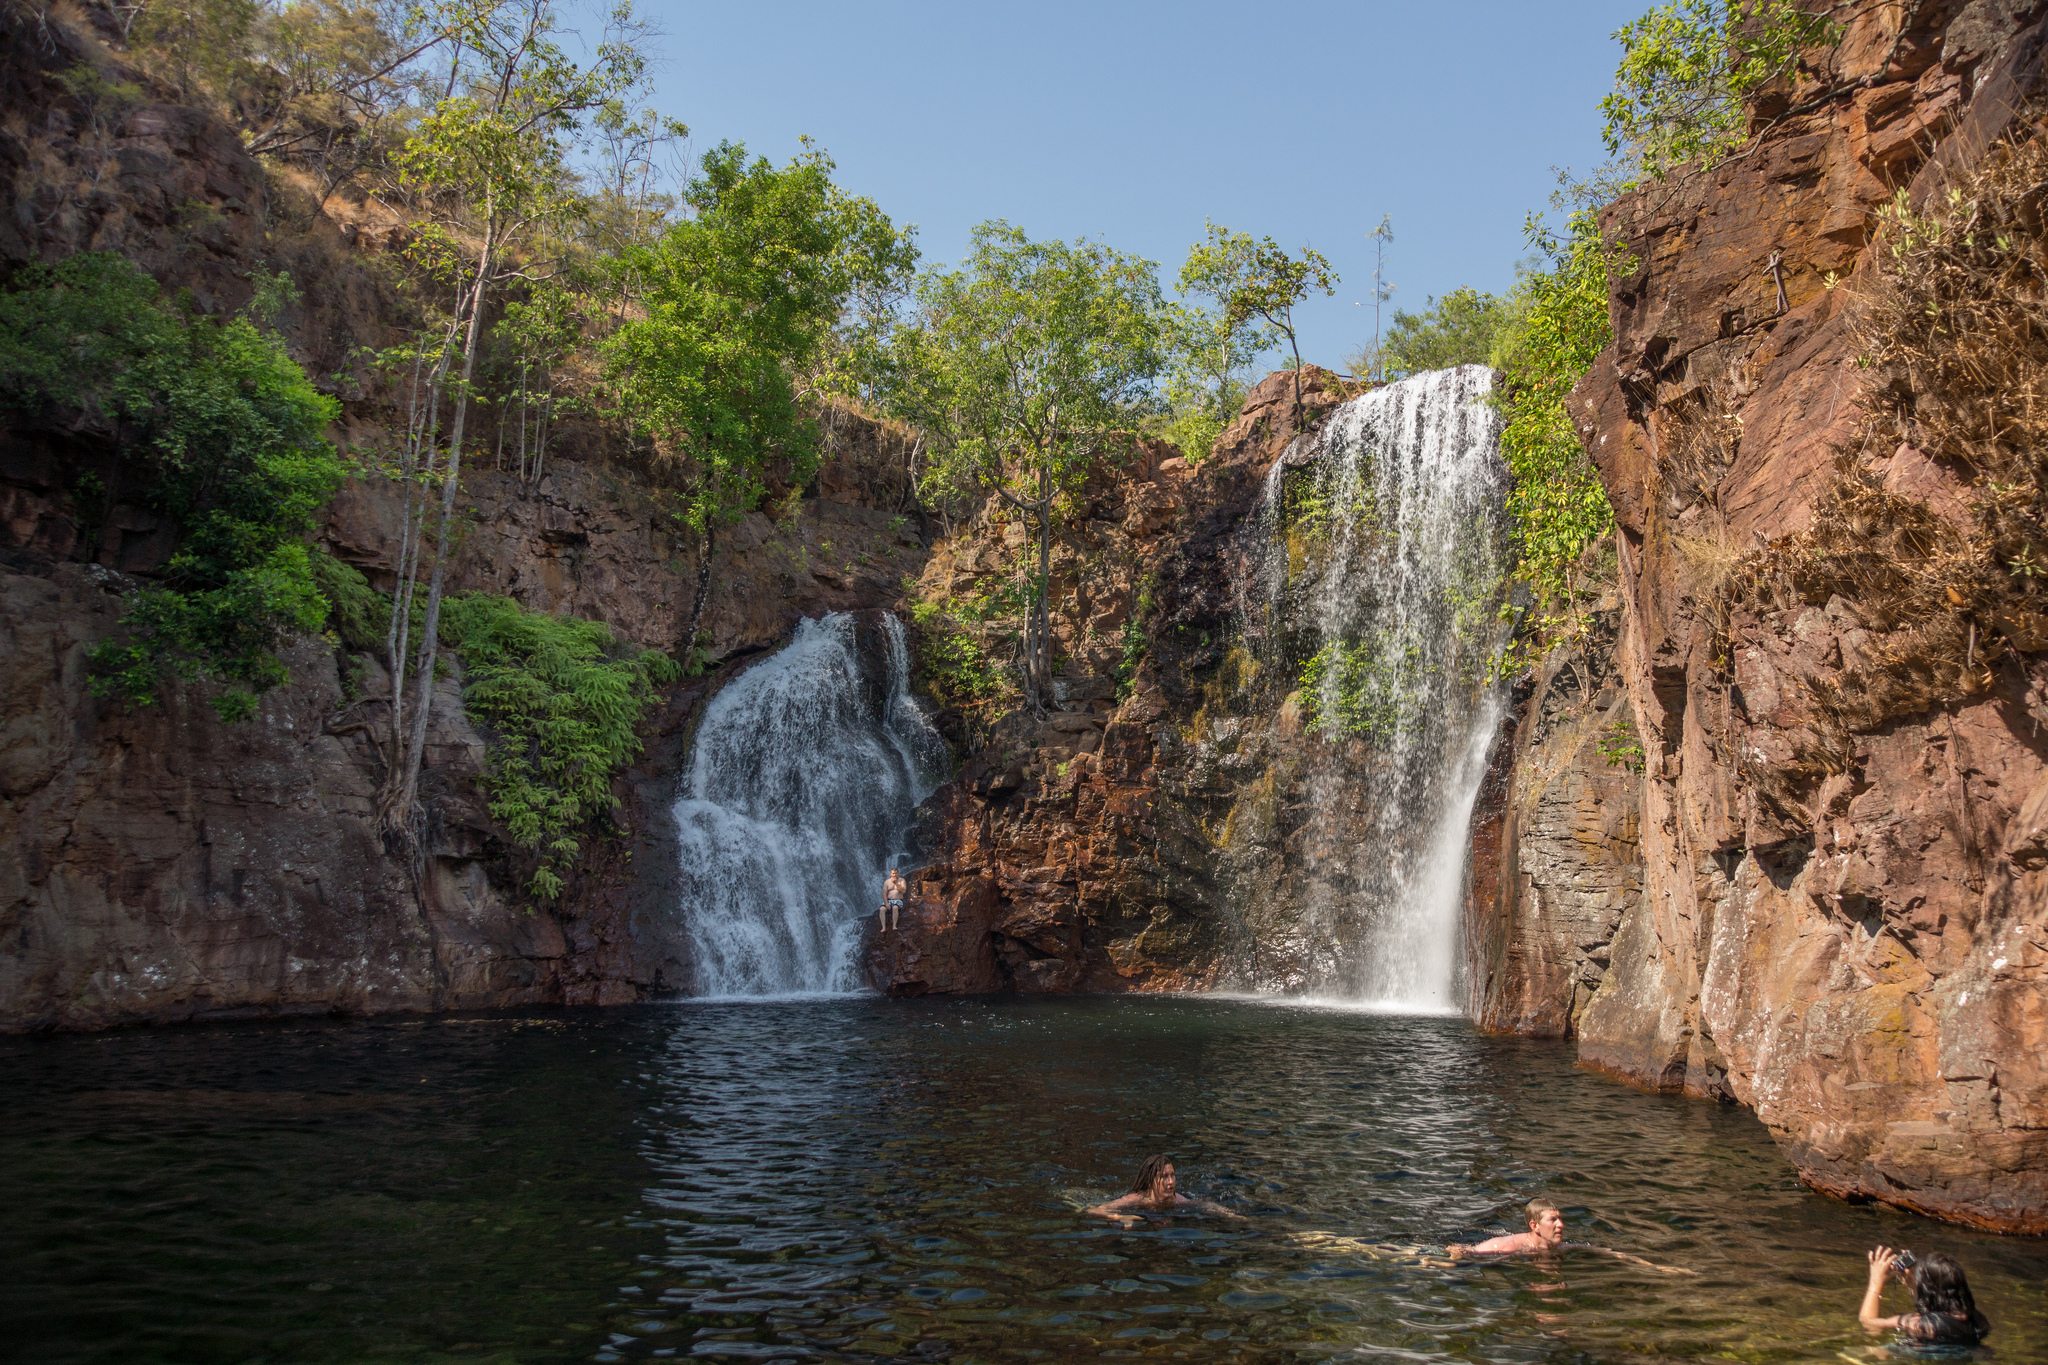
(859,1179)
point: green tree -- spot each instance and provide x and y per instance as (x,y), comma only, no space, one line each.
(488,165)
(1458,329)
(1256,282)
(217,428)
(534,336)
(632,197)
(323,83)
(1557,328)
(204,43)
(1205,384)
(736,302)
(1687,68)
(1026,367)
(1382,290)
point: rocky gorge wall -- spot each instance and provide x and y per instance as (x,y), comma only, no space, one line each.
(164,865)
(1836,912)
(1082,851)
(1683,862)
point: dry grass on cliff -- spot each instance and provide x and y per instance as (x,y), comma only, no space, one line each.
(1951,586)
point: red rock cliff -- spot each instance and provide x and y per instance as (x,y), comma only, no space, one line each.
(1843,914)
(162,865)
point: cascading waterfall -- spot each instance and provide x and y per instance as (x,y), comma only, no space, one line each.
(1382,573)
(800,792)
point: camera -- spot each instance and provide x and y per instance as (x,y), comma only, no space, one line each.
(1904,1261)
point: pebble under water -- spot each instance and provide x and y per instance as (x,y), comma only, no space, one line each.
(861,1179)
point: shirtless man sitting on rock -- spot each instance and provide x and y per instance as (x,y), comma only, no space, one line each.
(894,892)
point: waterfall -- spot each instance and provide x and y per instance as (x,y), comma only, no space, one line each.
(799,794)
(1383,561)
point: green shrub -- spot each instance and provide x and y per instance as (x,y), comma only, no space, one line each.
(561,700)
(1556,503)
(357,613)
(1358,689)
(1460,328)
(217,428)
(1135,639)
(1621,746)
(950,660)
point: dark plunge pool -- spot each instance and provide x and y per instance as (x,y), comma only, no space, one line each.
(862,1179)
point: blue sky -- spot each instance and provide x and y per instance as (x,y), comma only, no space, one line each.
(1132,123)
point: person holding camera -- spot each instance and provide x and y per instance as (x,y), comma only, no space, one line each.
(1943,1310)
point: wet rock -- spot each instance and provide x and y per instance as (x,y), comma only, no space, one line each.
(1072,856)
(1567,867)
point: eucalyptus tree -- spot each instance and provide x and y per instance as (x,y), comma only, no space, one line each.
(1205,384)
(735,304)
(1027,366)
(487,166)
(1256,282)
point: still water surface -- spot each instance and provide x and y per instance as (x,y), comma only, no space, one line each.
(860,1179)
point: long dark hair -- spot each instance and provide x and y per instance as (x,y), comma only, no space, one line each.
(1149,1172)
(1942,1295)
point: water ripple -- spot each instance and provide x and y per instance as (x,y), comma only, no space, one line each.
(860,1180)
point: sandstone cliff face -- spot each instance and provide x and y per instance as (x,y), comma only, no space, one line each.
(1842,926)
(166,865)
(1556,861)
(162,865)
(1086,852)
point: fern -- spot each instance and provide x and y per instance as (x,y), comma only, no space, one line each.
(560,700)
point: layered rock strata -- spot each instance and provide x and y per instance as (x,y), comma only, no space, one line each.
(163,865)
(1556,862)
(1842,923)
(1082,851)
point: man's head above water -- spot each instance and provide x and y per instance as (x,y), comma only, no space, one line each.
(1157,1189)
(1546,1222)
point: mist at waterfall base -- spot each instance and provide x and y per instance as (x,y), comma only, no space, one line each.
(801,787)
(1380,560)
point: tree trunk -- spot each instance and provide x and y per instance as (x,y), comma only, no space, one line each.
(399,801)
(1043,658)
(705,543)
(1295,346)
(422,440)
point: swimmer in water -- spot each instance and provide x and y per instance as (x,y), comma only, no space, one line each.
(1546,1233)
(1944,1312)
(1546,1236)
(1157,1190)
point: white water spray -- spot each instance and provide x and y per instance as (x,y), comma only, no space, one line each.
(800,791)
(1386,565)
